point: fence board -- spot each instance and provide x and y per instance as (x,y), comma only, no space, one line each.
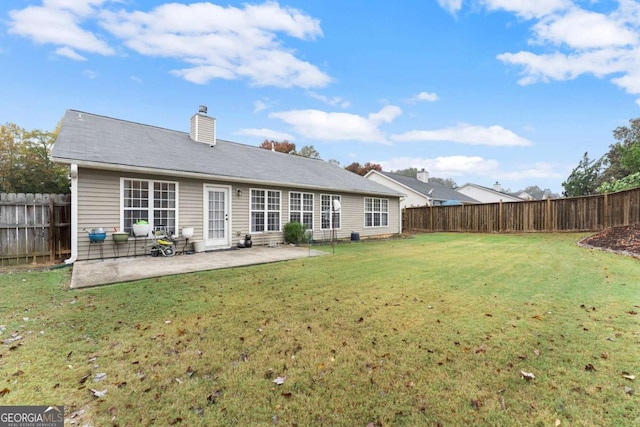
(34,227)
(589,213)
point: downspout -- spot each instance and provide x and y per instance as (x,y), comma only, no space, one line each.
(400,214)
(73,173)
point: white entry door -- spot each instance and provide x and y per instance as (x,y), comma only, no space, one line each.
(216,227)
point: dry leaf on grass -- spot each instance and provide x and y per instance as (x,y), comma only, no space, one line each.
(98,393)
(527,375)
(280,380)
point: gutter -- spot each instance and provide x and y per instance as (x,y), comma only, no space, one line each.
(212,177)
(73,173)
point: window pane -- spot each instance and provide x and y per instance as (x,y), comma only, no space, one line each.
(308,202)
(257,200)
(294,203)
(273,222)
(257,222)
(308,220)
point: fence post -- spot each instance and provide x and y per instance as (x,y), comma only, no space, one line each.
(548,214)
(431,216)
(605,211)
(500,216)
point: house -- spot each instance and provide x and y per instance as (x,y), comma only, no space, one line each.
(419,191)
(122,172)
(489,195)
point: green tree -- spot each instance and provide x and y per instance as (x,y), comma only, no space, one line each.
(623,157)
(309,151)
(584,178)
(447,182)
(412,172)
(25,166)
(626,183)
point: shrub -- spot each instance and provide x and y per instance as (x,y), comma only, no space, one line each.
(294,232)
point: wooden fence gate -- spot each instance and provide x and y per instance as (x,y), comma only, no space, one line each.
(34,228)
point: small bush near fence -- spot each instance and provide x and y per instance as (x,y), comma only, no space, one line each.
(34,228)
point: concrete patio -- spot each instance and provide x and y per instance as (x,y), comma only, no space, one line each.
(116,270)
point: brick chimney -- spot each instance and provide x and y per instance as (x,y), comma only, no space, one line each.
(203,127)
(423,176)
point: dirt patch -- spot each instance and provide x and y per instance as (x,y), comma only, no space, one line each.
(623,239)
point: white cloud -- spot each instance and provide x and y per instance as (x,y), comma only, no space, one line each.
(604,31)
(223,42)
(335,101)
(136,79)
(58,23)
(258,106)
(426,96)
(271,135)
(540,170)
(494,136)
(573,41)
(90,74)
(451,6)
(528,9)
(472,168)
(69,53)
(386,115)
(214,42)
(444,166)
(320,125)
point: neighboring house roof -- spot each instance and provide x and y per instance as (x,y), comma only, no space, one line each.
(536,195)
(106,143)
(438,191)
(510,197)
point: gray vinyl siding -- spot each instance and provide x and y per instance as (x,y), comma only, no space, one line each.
(99,206)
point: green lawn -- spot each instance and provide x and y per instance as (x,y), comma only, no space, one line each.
(432,330)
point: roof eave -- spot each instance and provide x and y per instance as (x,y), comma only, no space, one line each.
(198,175)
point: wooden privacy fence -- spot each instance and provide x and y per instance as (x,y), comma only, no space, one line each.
(34,227)
(589,213)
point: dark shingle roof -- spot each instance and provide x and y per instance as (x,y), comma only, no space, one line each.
(440,192)
(106,142)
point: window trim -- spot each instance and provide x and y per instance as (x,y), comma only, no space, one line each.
(150,205)
(373,211)
(302,211)
(266,210)
(331,198)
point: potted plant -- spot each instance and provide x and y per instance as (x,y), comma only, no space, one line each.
(141,228)
(119,236)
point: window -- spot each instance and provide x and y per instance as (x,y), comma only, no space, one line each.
(152,201)
(330,217)
(265,211)
(376,212)
(301,209)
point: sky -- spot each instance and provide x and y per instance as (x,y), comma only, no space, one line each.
(477,91)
